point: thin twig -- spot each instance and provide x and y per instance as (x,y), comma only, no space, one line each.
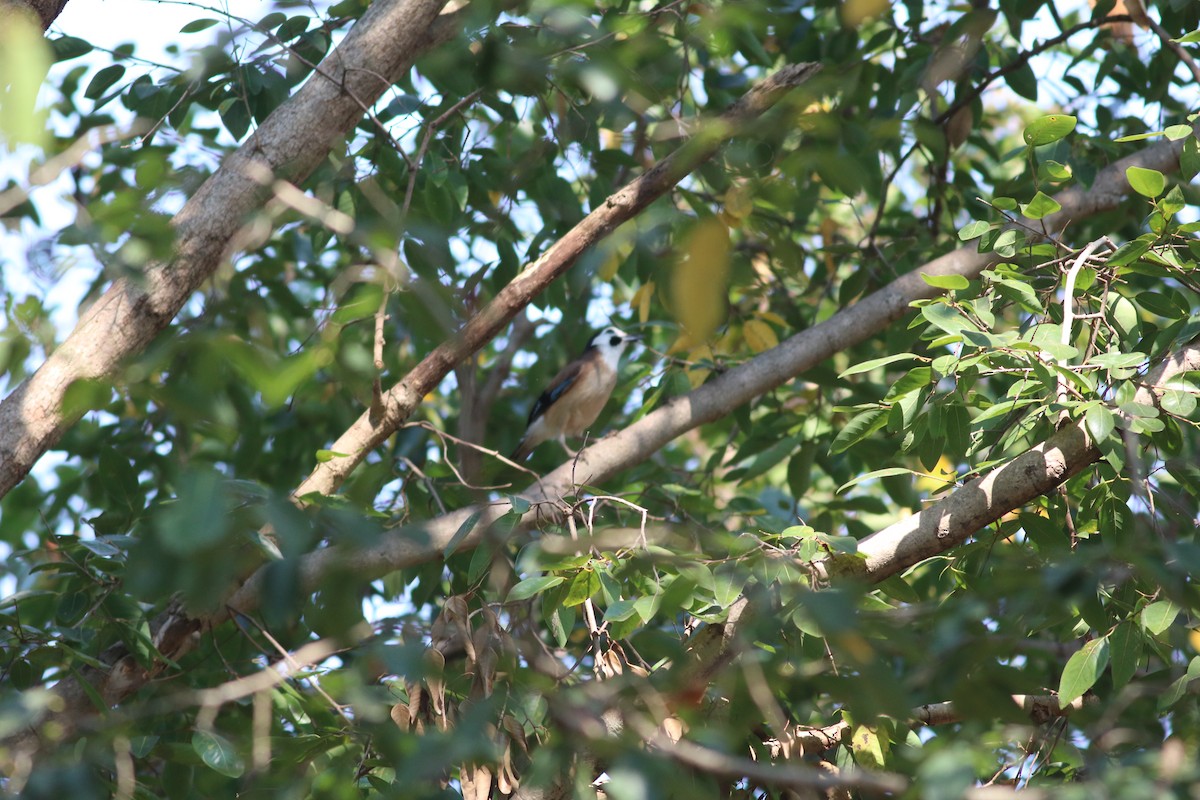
(1023,59)
(1176,47)
(429,131)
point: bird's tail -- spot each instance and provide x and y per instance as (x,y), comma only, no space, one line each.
(523,450)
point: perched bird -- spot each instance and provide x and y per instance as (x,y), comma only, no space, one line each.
(577,394)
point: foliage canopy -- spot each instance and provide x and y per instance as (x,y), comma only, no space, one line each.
(925,262)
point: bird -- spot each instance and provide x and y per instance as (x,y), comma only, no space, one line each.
(577,394)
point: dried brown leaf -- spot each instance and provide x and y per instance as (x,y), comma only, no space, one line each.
(674,728)
(401,716)
(476,782)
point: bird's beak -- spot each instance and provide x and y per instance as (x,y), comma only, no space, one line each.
(633,339)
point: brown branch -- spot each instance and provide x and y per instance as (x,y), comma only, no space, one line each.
(418,543)
(987,498)
(290,143)
(725,765)
(1040,708)
(45,11)
(1023,59)
(400,401)
(1142,18)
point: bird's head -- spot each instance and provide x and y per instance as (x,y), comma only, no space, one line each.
(611,342)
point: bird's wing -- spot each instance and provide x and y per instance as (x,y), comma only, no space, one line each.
(563,381)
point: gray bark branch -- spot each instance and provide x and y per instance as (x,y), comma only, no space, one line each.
(289,144)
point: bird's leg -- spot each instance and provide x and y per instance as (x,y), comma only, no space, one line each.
(562,439)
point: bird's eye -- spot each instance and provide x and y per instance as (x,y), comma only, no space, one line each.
(614,341)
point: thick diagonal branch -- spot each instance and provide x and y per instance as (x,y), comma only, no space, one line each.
(174,631)
(422,542)
(370,430)
(984,500)
(290,144)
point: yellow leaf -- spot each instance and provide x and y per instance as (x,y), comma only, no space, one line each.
(856,12)
(24,62)
(728,343)
(617,248)
(1194,639)
(698,281)
(828,232)
(679,345)
(698,375)
(641,300)
(771,316)
(738,201)
(608,270)
(759,335)
(942,475)
(870,746)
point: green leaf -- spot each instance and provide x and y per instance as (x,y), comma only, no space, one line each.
(1125,646)
(1177,132)
(1179,403)
(870,745)
(859,428)
(1051,128)
(1128,253)
(946,281)
(25,58)
(1189,38)
(1138,137)
(585,584)
(867,366)
(1023,81)
(1172,204)
(1189,159)
(197,25)
(1100,422)
(914,380)
(1042,205)
(1053,171)
(973,230)
(1002,409)
(102,80)
(620,611)
(218,753)
(1159,616)
(329,455)
(533,586)
(1146,182)
(944,318)
(460,534)
(67,47)
(1083,669)
(886,472)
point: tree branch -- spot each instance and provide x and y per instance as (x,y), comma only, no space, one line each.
(1024,59)
(369,431)
(46,11)
(290,143)
(421,542)
(1040,708)
(987,498)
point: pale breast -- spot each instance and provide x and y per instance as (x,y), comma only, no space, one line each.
(582,403)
